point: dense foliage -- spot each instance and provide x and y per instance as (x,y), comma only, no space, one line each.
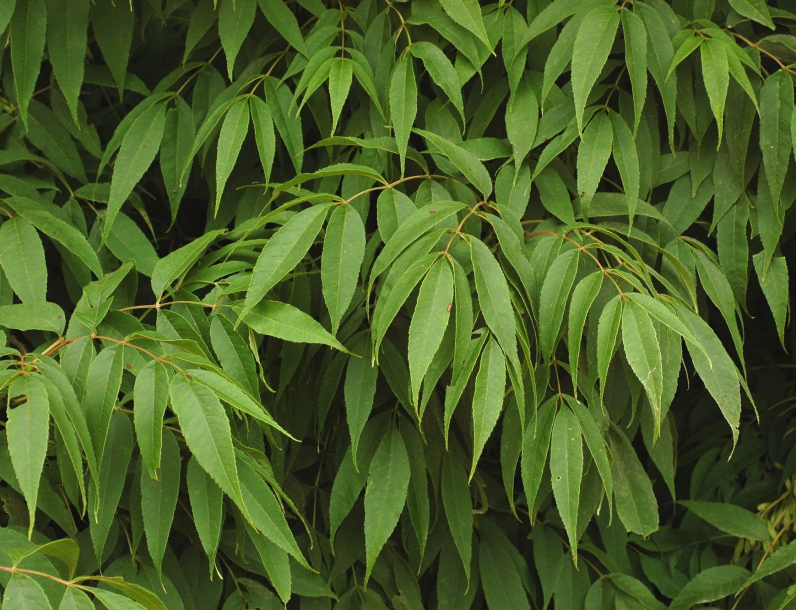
(427,304)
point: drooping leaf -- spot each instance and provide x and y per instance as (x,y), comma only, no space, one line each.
(467,13)
(403,104)
(566,469)
(172,266)
(715,72)
(207,506)
(28,30)
(340,77)
(593,155)
(22,260)
(776,109)
(458,508)
(490,385)
(535,446)
(282,18)
(343,252)
(67,25)
(235,19)
(635,501)
(775,286)
(441,71)
(553,299)
(289,323)
(710,585)
(729,518)
(755,10)
(150,395)
(464,161)
(643,353)
(263,133)
(113,30)
(230,139)
(636,59)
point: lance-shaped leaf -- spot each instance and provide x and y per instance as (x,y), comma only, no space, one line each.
(67,25)
(493,293)
(535,445)
(392,209)
(417,499)
(776,110)
(716,74)
(775,286)
(28,32)
(340,75)
(710,585)
(159,500)
(35,315)
(284,251)
(627,162)
(22,260)
(178,136)
(172,266)
(359,390)
(595,442)
(500,576)
(205,426)
(403,104)
(202,18)
(150,395)
(554,195)
(458,508)
(582,299)
(593,154)
(607,331)
(592,45)
(522,117)
(207,507)
(467,13)
(28,431)
(465,162)
(636,60)
(25,593)
(138,150)
(235,19)
(263,134)
(553,299)
(282,18)
(343,252)
(755,10)
(643,353)
(490,386)
(717,370)
(385,494)
(230,139)
(730,518)
(441,71)
(288,323)
(635,501)
(102,391)
(566,470)
(113,30)
(287,121)
(429,321)
(104,497)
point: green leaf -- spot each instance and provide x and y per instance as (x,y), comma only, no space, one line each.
(202,19)
(403,105)
(385,495)
(287,121)
(172,266)
(235,19)
(783,557)
(75,599)
(289,323)
(729,518)
(429,321)
(490,386)
(775,286)
(343,252)
(138,150)
(495,302)
(441,71)
(554,195)
(635,501)
(178,136)
(150,395)
(230,139)
(592,45)
(643,352)
(607,331)
(593,154)
(34,315)
(627,162)
(235,357)
(522,117)
(207,433)
(553,299)
(499,576)
(566,471)
(113,30)
(102,392)
(458,508)
(28,431)
(755,10)
(717,369)
(104,500)
(283,252)
(284,21)
(710,585)
(467,13)
(636,60)
(776,142)
(263,134)
(417,499)
(22,260)
(594,441)
(207,508)
(340,77)
(24,593)
(582,299)
(535,445)
(359,390)
(114,601)
(53,227)
(465,162)
(715,73)
(67,25)
(159,500)
(127,242)
(28,31)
